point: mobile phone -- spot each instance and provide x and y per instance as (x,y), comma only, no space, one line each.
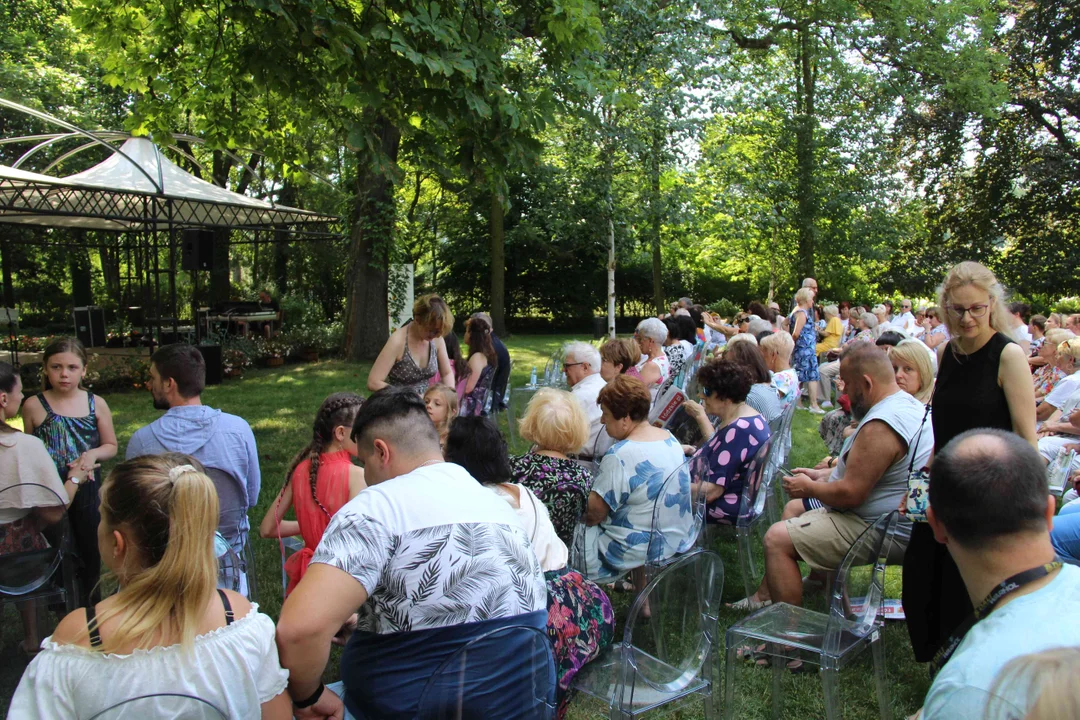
(787,471)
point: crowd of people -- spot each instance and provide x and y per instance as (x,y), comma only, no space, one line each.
(422,533)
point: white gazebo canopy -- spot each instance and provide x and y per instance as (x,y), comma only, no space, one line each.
(136,188)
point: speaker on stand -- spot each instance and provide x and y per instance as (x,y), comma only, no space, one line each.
(196,253)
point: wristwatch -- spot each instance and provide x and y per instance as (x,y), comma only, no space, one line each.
(74,479)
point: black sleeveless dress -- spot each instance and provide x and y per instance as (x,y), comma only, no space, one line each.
(966,396)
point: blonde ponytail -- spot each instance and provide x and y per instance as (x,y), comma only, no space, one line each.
(169,508)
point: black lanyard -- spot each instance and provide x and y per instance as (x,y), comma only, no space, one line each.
(986,607)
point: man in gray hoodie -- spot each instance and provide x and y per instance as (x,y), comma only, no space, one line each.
(214,438)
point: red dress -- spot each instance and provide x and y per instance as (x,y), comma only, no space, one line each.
(332,489)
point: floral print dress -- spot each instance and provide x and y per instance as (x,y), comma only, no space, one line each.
(804,359)
(561,484)
(1046,378)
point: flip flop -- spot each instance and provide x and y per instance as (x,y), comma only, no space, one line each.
(749,603)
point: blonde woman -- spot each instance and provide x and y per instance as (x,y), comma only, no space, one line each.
(1068,362)
(914,372)
(556,426)
(805,357)
(1046,377)
(983,381)
(168,629)
(1054,321)
(1040,686)
(777,349)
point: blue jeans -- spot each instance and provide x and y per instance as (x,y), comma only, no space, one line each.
(1065,537)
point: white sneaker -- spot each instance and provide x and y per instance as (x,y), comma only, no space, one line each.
(826,405)
(816,411)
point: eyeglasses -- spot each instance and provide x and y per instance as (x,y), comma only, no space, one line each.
(567,366)
(976,311)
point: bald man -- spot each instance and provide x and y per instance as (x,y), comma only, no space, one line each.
(831,507)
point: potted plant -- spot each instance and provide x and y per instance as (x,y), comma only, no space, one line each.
(233,362)
(306,342)
(275,350)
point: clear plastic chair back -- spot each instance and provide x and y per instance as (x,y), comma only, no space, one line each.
(676,518)
(669,642)
(755,485)
(162,706)
(464,687)
(38,546)
(859,588)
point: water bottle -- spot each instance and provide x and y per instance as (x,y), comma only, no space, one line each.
(532,377)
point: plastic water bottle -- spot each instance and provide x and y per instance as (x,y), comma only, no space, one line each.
(532,377)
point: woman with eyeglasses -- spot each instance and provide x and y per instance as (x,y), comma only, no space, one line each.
(983,381)
(653,368)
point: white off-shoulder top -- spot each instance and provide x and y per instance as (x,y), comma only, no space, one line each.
(235,668)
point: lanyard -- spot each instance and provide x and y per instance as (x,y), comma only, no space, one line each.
(986,607)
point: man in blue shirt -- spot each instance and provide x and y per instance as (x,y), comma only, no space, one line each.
(990,506)
(214,438)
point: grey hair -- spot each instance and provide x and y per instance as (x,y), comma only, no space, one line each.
(583,352)
(758,325)
(742,337)
(686,301)
(870,319)
(653,328)
(806,282)
(832,311)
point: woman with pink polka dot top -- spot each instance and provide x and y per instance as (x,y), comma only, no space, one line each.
(725,458)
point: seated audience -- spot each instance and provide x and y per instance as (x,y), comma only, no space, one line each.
(920,323)
(1046,377)
(481,366)
(1016,320)
(580,622)
(1046,681)
(828,372)
(834,330)
(617,356)
(990,509)
(418,602)
(830,508)
(416,351)
(320,479)
(653,367)
(1068,355)
(620,506)
(1037,330)
(583,366)
(911,365)
(25,512)
(442,407)
(458,363)
(722,462)
(555,425)
(502,366)
(935,331)
(679,347)
(883,319)
(168,629)
(763,396)
(904,320)
(776,349)
(218,440)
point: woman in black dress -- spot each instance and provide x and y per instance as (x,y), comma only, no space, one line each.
(983,381)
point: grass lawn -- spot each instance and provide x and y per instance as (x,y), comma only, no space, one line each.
(280,405)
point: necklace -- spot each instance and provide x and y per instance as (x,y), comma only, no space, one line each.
(429,462)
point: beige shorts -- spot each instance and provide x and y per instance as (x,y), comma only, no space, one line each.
(823,537)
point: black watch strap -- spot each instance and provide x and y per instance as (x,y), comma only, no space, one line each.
(301,704)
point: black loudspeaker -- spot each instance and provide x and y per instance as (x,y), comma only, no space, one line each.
(197,249)
(90,326)
(212,357)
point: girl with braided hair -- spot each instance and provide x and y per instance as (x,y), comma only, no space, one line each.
(321,478)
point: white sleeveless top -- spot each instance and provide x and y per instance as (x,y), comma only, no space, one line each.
(235,668)
(549,549)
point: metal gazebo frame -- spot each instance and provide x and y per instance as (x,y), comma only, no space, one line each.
(139,192)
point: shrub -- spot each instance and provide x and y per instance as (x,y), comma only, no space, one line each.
(724,308)
(1067,305)
(123,373)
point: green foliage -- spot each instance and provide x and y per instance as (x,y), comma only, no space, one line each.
(117,373)
(724,308)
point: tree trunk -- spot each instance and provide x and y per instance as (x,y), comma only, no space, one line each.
(368,324)
(609,208)
(805,125)
(655,215)
(498,264)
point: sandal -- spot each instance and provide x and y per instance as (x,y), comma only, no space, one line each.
(749,603)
